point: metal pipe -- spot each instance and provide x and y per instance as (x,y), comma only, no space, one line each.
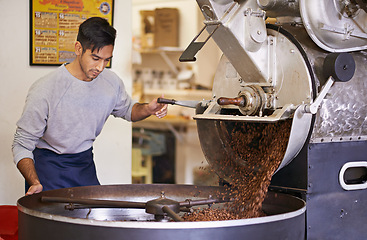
(190,203)
(172,214)
(101,203)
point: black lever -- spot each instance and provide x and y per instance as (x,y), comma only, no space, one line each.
(189,54)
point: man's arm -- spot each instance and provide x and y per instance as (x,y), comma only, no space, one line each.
(27,169)
(141,111)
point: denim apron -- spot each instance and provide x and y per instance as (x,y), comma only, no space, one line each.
(64,170)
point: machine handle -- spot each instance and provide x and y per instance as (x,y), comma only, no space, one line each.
(238,101)
(166,101)
(188,103)
(314,107)
(337,67)
(361,182)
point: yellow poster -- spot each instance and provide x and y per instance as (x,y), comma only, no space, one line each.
(55,26)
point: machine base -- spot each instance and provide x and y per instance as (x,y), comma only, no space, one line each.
(332,212)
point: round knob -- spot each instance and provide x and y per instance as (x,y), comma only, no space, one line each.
(340,66)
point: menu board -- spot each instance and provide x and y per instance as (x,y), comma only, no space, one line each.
(55,24)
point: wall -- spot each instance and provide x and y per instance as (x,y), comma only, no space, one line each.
(113,147)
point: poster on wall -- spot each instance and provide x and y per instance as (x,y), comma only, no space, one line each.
(54,27)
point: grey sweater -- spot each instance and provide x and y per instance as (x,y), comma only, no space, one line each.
(65,115)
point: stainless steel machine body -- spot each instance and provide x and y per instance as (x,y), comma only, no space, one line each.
(279,72)
(276,73)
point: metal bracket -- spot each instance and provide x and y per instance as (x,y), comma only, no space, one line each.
(347,31)
(189,54)
(313,108)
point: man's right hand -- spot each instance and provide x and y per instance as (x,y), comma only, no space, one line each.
(36,188)
(26,167)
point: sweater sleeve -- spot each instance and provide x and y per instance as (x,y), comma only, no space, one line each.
(31,125)
(124,103)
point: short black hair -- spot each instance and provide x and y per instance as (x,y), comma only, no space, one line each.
(96,33)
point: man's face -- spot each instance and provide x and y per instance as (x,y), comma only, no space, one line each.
(93,63)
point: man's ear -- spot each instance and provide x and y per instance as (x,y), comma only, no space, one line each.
(78,48)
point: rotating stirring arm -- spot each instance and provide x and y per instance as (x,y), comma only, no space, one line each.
(159,207)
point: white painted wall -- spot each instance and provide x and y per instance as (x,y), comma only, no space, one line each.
(112,148)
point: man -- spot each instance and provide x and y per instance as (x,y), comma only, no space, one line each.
(66,110)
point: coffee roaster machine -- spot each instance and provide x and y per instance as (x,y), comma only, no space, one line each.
(310,68)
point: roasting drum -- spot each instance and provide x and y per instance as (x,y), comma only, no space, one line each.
(38,220)
(296,86)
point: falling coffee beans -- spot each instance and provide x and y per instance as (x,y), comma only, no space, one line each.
(256,151)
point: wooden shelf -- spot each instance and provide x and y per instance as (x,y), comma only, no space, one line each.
(165,123)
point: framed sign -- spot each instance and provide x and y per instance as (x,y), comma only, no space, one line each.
(54,27)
